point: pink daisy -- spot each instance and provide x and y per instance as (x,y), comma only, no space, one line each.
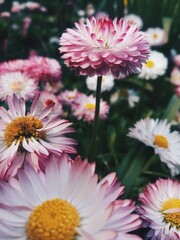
(84,108)
(43,68)
(65,202)
(29,135)
(160,209)
(102,46)
(46,99)
(68,97)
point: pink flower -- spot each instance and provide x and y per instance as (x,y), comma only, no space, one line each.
(177,60)
(18,65)
(43,68)
(36,206)
(102,46)
(84,108)
(69,96)
(160,209)
(27,136)
(175,76)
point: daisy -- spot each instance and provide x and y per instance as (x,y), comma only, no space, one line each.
(84,108)
(156,36)
(46,99)
(155,66)
(65,202)
(102,46)
(30,135)
(134,19)
(68,97)
(160,209)
(157,134)
(107,83)
(18,83)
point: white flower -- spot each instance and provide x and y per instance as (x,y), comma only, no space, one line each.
(156,36)
(157,134)
(107,83)
(134,19)
(160,209)
(65,202)
(155,66)
(17,83)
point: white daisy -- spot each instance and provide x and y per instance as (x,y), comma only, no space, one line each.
(134,19)
(65,202)
(156,36)
(107,83)
(157,134)
(17,83)
(28,135)
(155,66)
(160,209)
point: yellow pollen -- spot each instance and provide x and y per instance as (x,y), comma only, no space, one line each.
(161,141)
(16,86)
(155,35)
(149,64)
(90,106)
(23,127)
(54,219)
(172,217)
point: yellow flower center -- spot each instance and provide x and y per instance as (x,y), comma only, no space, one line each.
(155,35)
(23,127)
(149,64)
(161,141)
(171,212)
(90,106)
(16,86)
(53,220)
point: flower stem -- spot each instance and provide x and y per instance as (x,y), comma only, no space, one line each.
(92,148)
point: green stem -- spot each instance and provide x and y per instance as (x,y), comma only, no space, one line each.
(92,148)
(172,108)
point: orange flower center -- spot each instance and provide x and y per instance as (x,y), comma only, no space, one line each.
(161,141)
(23,127)
(53,220)
(171,212)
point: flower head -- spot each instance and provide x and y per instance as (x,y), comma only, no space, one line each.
(65,201)
(30,135)
(17,83)
(156,36)
(175,76)
(107,83)
(155,66)
(102,46)
(157,134)
(84,108)
(160,209)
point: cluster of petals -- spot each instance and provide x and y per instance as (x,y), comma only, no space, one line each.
(84,108)
(38,67)
(156,36)
(157,134)
(101,214)
(25,136)
(103,46)
(152,202)
(155,66)
(17,83)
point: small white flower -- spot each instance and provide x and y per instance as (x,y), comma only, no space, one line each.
(155,66)
(156,36)
(157,134)
(134,19)
(107,83)
(19,83)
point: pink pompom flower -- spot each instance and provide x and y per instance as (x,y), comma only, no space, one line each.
(104,46)
(25,136)
(66,201)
